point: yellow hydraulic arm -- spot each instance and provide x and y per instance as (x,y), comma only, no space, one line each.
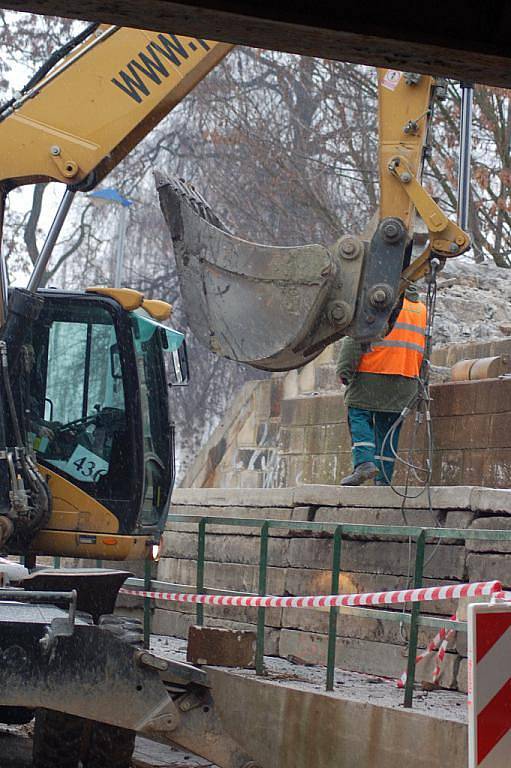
(277,308)
(98,102)
(405,103)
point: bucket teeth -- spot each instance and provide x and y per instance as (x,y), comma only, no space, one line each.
(192,196)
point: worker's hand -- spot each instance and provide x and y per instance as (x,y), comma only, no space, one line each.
(46,432)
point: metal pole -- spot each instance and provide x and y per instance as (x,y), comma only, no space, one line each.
(147,603)
(332,620)
(51,238)
(121,240)
(467,100)
(4,282)
(420,546)
(261,612)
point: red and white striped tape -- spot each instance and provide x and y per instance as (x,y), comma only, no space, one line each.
(502,595)
(438,644)
(453,591)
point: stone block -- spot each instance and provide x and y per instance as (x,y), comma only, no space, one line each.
(370,496)
(328,356)
(499,426)
(171,623)
(462,676)
(443,562)
(292,440)
(317,409)
(489,567)
(453,399)
(327,438)
(250,479)
(498,468)
(493,523)
(307,379)
(299,470)
(268,433)
(297,411)
(227,549)
(362,656)
(290,386)
(262,399)
(468,431)
(326,378)
(221,647)
(242,578)
(276,394)
(492,395)
(258,513)
(378,516)
(448,466)
(246,437)
(474,467)
(491,500)
(325,468)
(350,624)
(228,497)
(459,519)
(176,624)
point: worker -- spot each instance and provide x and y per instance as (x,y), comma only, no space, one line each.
(379,384)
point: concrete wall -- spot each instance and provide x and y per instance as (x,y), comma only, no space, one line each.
(299,564)
(291,430)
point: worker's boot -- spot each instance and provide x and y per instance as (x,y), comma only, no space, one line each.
(361,473)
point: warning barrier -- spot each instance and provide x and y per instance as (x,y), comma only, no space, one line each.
(429,594)
(438,644)
(489,678)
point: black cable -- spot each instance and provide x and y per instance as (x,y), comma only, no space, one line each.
(50,62)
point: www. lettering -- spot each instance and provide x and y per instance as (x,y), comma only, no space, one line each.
(154,64)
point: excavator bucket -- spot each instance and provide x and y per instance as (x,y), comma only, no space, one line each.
(276,308)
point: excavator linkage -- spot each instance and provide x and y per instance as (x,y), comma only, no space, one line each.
(276,308)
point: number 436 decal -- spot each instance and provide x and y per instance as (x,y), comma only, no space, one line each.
(85,465)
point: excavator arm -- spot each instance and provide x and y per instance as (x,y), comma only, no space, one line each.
(98,102)
(278,308)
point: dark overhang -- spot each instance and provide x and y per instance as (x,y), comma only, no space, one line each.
(462,40)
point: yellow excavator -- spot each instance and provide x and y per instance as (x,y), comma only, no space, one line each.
(86,439)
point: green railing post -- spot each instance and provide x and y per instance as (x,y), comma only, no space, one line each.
(147,603)
(201,554)
(414,619)
(56,562)
(334,612)
(261,612)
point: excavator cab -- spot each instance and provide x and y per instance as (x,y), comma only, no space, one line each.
(93,392)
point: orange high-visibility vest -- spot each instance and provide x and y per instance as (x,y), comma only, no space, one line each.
(400,353)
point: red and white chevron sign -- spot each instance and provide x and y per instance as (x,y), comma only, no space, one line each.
(489,680)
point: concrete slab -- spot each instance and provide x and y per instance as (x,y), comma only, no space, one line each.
(286,718)
(232,497)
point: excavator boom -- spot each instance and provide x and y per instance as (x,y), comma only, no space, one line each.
(84,116)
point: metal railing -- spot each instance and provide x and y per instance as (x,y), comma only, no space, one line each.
(420,536)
